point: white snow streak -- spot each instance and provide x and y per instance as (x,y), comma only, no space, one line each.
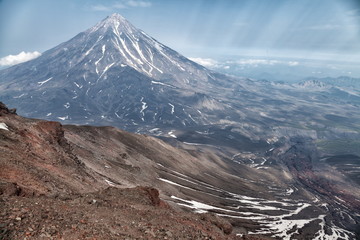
(67,105)
(151,65)
(117,115)
(88,51)
(63,118)
(78,85)
(130,63)
(191,117)
(106,68)
(103,48)
(172,108)
(174,183)
(4,126)
(171,134)
(20,96)
(143,107)
(198,206)
(160,83)
(45,81)
(128,51)
(110,183)
(289,191)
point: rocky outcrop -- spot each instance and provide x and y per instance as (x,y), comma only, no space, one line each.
(9,189)
(4,110)
(36,156)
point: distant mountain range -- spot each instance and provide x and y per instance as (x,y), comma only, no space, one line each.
(342,81)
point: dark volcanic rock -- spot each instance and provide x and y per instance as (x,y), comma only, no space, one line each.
(9,189)
(5,110)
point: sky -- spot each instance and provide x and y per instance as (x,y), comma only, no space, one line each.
(313,29)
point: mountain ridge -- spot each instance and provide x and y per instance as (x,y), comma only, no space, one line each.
(85,77)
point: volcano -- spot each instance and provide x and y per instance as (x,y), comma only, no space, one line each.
(112,74)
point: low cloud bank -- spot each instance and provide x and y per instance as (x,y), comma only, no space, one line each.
(19,58)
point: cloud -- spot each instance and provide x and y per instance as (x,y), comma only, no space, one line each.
(133,3)
(206,62)
(121,5)
(214,64)
(257,62)
(100,8)
(21,57)
(293,63)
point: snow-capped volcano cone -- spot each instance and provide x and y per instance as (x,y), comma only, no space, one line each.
(108,74)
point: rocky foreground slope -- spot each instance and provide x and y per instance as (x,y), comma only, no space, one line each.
(83,182)
(131,213)
(55,185)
